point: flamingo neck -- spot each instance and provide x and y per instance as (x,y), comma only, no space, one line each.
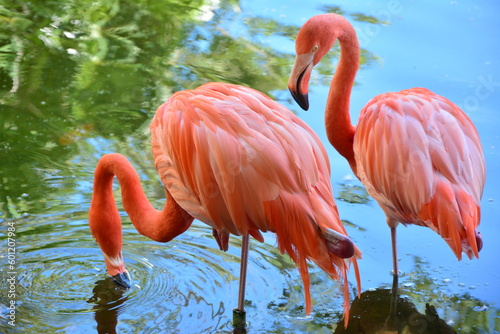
(105,219)
(339,128)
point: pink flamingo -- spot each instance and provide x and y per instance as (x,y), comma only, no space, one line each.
(234,159)
(416,153)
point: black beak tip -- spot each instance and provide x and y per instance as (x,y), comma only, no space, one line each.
(301,99)
(347,250)
(122,280)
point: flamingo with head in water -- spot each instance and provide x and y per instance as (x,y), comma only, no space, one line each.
(418,155)
(241,163)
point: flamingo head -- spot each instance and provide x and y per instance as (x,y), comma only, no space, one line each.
(314,40)
(109,237)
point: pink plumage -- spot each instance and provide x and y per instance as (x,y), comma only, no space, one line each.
(416,153)
(236,160)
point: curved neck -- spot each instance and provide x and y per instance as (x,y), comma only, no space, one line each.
(339,129)
(104,217)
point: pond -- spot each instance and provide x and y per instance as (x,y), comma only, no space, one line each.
(81,78)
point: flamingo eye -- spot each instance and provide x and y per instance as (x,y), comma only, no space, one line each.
(314,48)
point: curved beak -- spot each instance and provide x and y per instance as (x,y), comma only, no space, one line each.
(339,244)
(298,82)
(122,279)
(116,269)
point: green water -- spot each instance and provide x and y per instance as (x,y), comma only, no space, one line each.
(82,78)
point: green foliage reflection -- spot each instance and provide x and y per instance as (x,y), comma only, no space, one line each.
(71,70)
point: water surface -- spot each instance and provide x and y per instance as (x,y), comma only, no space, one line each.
(82,78)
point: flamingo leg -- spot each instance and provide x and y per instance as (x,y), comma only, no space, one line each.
(239,314)
(394,294)
(394,251)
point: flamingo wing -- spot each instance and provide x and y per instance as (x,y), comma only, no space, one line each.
(420,157)
(223,150)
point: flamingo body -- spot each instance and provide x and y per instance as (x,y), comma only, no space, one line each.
(234,159)
(416,153)
(420,157)
(225,152)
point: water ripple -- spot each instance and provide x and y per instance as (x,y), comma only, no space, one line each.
(184,286)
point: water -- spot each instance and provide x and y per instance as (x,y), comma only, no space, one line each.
(82,78)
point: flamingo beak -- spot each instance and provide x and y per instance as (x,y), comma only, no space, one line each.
(122,279)
(479,240)
(116,269)
(298,83)
(338,244)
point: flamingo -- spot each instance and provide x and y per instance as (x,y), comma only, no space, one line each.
(241,163)
(418,155)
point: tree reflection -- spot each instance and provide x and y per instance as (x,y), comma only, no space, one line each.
(76,69)
(77,73)
(370,312)
(468,313)
(440,313)
(353,194)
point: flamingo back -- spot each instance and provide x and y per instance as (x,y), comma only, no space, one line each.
(420,157)
(242,163)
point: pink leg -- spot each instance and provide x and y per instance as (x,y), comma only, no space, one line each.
(245,245)
(394,295)
(394,251)
(239,314)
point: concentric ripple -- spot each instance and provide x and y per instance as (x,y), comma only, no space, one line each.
(184,286)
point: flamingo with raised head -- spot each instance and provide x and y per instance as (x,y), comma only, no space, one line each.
(241,163)
(418,155)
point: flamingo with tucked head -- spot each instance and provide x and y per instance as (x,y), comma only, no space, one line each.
(418,155)
(241,163)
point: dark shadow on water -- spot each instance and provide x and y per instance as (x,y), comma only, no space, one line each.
(369,314)
(107,299)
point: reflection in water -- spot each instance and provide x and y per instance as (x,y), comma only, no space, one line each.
(63,286)
(353,194)
(370,314)
(91,72)
(80,78)
(107,299)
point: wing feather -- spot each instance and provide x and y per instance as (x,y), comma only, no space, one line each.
(420,157)
(240,162)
